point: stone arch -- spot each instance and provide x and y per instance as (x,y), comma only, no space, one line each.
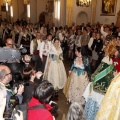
(82,17)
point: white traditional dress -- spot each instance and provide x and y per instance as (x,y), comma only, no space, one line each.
(55,70)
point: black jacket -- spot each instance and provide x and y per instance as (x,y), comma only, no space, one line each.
(97,45)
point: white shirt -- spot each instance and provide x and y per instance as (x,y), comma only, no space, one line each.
(90,42)
(38,48)
(61,37)
(46,47)
(103,32)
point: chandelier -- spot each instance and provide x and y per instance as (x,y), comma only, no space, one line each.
(26,2)
(83,3)
(7,1)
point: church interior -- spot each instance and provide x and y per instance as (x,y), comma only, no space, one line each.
(60,12)
(73,42)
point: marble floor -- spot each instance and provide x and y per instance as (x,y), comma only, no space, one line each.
(63,106)
(61,100)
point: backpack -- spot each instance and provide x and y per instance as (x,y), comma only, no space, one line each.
(24,109)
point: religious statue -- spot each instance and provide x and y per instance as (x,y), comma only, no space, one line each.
(108,6)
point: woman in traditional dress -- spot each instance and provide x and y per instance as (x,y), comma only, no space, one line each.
(78,78)
(55,70)
(101,80)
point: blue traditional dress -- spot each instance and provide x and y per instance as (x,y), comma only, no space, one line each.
(77,83)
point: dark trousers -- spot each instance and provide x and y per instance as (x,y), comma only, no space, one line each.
(37,63)
(44,62)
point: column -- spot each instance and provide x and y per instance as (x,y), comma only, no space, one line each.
(69,12)
(93,11)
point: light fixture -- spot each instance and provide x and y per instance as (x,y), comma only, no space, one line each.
(28,10)
(11,11)
(83,3)
(57,9)
(7,1)
(26,2)
(6,6)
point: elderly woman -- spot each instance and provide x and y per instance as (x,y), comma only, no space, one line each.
(75,112)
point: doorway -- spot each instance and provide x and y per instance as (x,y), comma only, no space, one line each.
(82,18)
(43,18)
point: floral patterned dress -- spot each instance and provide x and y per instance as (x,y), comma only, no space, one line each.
(77,83)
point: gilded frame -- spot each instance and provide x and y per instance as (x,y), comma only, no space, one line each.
(108,7)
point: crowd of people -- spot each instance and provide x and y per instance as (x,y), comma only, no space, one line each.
(40,73)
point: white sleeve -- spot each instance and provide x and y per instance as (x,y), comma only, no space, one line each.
(60,36)
(103,32)
(41,50)
(50,46)
(90,42)
(31,47)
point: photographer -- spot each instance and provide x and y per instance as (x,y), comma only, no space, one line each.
(5,78)
(2,100)
(3,94)
(15,65)
(9,43)
(41,96)
(30,76)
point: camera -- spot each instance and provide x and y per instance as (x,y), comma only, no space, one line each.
(10,110)
(18,80)
(54,108)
